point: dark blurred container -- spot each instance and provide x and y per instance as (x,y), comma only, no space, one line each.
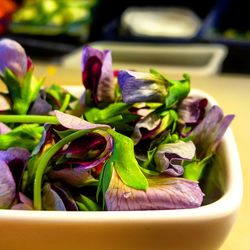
(229,24)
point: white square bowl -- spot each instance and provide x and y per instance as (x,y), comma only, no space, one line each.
(202,228)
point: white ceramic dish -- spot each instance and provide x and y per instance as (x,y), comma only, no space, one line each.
(202,228)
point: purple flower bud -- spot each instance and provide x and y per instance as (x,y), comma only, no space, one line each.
(13,57)
(191,112)
(168,157)
(97,74)
(141,87)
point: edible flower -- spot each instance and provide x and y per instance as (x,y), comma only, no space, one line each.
(12,165)
(163,193)
(97,75)
(191,111)
(16,71)
(13,57)
(142,87)
(168,157)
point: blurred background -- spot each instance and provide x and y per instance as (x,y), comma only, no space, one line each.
(188,33)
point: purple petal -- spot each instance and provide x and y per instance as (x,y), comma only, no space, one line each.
(21,206)
(191,111)
(25,203)
(207,135)
(97,74)
(40,106)
(163,193)
(168,157)
(51,200)
(81,146)
(78,174)
(66,197)
(16,159)
(14,153)
(7,186)
(76,177)
(73,122)
(140,87)
(146,127)
(13,57)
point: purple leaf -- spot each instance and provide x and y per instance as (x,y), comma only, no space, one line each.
(13,57)
(168,157)
(7,185)
(209,132)
(163,193)
(97,74)
(141,87)
(73,122)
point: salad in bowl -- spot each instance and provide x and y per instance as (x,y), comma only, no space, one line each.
(124,141)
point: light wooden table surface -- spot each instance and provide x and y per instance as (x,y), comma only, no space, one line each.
(233,95)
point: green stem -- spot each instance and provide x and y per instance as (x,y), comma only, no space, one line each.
(28,119)
(65,103)
(43,162)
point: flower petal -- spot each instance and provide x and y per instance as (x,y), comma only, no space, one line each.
(207,135)
(51,200)
(168,157)
(7,186)
(73,122)
(140,87)
(13,57)
(40,105)
(163,193)
(191,111)
(146,127)
(97,74)
(76,177)
(25,203)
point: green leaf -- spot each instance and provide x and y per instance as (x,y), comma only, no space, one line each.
(125,163)
(178,91)
(105,178)
(194,170)
(25,135)
(86,204)
(12,84)
(97,115)
(22,93)
(161,78)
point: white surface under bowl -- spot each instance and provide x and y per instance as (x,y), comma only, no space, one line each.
(203,228)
